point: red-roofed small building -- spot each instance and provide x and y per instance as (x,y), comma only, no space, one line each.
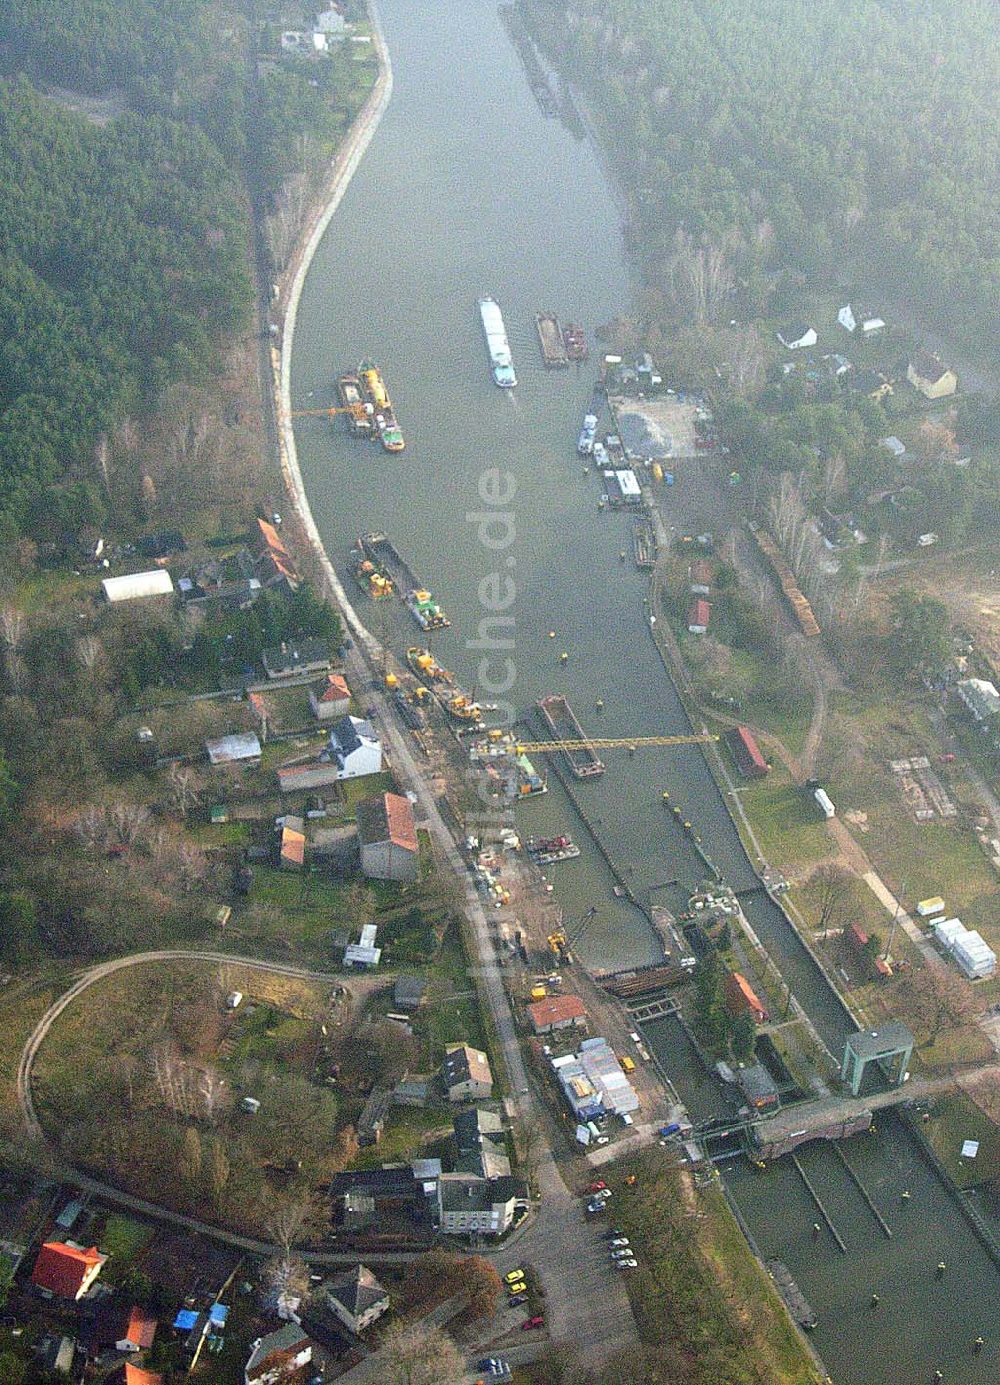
(741,999)
(331,698)
(135,1375)
(557,1012)
(699,615)
(140,1331)
(388,838)
(746,753)
(66,1270)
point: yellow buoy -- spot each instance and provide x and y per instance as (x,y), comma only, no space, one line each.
(391,680)
(552,634)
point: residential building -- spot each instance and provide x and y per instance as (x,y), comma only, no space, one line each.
(296,657)
(278,1356)
(371,1121)
(140,1332)
(353,751)
(355,748)
(557,1012)
(409,992)
(138,586)
(331,698)
(275,566)
(138,1375)
(700,577)
(894,445)
(927,374)
(479,1141)
(797,336)
(466,1074)
(870,324)
(356,1298)
(66,1270)
(244,748)
(388,838)
(470,1205)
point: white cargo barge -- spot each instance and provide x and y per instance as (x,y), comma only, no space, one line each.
(501,365)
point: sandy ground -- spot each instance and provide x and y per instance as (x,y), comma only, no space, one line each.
(657,428)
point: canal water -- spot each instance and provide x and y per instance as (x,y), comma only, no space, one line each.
(469,190)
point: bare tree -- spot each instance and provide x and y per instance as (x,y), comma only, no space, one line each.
(129,820)
(285,1222)
(937,1000)
(191,865)
(91,826)
(420,1355)
(13,626)
(746,362)
(832,885)
(218,1171)
(700,277)
(183,791)
(284,1284)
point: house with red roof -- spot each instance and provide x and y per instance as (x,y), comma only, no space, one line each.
(65,1270)
(140,1331)
(331,698)
(388,838)
(557,1012)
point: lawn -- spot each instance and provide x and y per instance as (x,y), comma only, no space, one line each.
(123,1238)
(787,823)
(956,1117)
(408,1132)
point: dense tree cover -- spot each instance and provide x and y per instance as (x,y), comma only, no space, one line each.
(123,262)
(816,134)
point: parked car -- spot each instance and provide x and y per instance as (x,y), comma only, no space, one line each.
(626,1265)
(514,1275)
(594,1208)
(536,1321)
(622,1253)
(604,1194)
(597,1187)
(603,1140)
(620,1241)
(516,1300)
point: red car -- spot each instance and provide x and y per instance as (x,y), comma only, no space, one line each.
(597,1187)
(532,1322)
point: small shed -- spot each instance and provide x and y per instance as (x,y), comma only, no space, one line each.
(699,616)
(331,698)
(409,992)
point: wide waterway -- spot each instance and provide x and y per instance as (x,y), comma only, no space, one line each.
(468,190)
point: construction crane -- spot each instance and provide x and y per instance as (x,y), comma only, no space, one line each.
(559,941)
(357,411)
(610,743)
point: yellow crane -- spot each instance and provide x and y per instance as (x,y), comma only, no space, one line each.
(610,743)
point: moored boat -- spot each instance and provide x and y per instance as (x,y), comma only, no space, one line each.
(425,666)
(550,338)
(575,342)
(549,850)
(359,414)
(371,580)
(561,721)
(376,398)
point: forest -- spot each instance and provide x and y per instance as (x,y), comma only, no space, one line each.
(836,139)
(125,229)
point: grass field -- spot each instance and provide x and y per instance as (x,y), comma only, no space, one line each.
(699,1288)
(955,1117)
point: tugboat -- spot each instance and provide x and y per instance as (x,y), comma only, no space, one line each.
(425,610)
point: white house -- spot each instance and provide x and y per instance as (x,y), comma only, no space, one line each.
(332,23)
(846,318)
(354,747)
(797,335)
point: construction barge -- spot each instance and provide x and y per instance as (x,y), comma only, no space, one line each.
(385,558)
(644,544)
(360,419)
(547,851)
(575,342)
(561,721)
(794,1299)
(550,339)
